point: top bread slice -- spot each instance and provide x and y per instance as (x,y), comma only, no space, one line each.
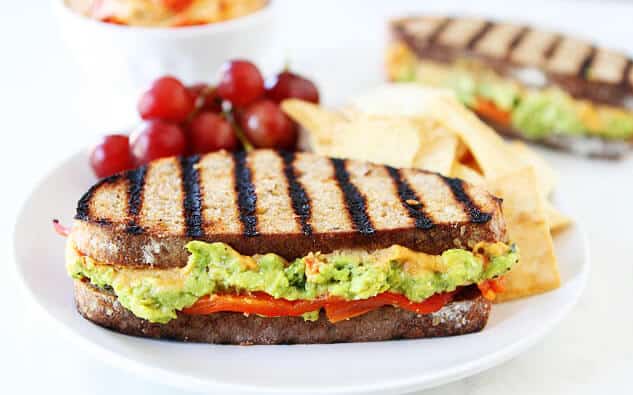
(286,203)
(581,68)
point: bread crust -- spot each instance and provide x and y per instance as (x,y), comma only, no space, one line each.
(106,243)
(468,313)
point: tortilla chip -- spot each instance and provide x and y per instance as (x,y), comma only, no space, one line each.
(557,220)
(488,149)
(437,152)
(319,122)
(441,108)
(401,99)
(546,176)
(528,227)
(467,174)
(392,141)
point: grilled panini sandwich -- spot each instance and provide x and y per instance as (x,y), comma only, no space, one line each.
(270,247)
(528,83)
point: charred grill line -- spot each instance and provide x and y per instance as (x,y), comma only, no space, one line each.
(480,34)
(438,31)
(298,195)
(136,182)
(457,187)
(246,197)
(83,206)
(407,197)
(354,200)
(400,34)
(421,45)
(192,202)
(625,74)
(583,71)
(516,41)
(549,52)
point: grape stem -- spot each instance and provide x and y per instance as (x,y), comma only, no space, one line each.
(197,106)
(230,116)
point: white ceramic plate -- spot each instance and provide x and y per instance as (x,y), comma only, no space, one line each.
(383,367)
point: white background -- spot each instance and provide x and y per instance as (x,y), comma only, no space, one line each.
(340,43)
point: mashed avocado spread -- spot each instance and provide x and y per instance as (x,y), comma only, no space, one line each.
(534,112)
(156,294)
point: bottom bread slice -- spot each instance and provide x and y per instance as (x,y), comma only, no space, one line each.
(466,314)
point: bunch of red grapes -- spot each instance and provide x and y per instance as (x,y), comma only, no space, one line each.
(241,111)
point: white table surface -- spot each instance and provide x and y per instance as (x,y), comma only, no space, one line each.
(590,352)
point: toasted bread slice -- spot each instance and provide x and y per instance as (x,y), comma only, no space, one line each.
(467,313)
(285,203)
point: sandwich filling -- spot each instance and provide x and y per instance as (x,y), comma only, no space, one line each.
(345,283)
(521,103)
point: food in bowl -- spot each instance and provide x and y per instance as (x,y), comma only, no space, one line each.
(165,13)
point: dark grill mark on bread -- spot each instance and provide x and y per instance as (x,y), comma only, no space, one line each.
(438,31)
(136,181)
(246,197)
(192,202)
(624,81)
(457,187)
(625,74)
(83,205)
(300,198)
(516,41)
(549,52)
(583,71)
(480,34)
(408,197)
(354,200)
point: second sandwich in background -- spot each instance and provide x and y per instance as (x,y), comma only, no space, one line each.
(528,83)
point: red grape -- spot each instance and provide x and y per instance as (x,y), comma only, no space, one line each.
(167,99)
(266,126)
(209,131)
(157,139)
(241,83)
(206,97)
(111,155)
(286,85)
(196,90)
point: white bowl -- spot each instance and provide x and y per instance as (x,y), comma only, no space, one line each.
(116,63)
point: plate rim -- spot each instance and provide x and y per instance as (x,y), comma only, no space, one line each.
(165,376)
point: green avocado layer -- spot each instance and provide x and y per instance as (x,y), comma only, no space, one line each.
(536,113)
(157,294)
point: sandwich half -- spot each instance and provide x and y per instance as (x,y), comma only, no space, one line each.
(527,83)
(271,247)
